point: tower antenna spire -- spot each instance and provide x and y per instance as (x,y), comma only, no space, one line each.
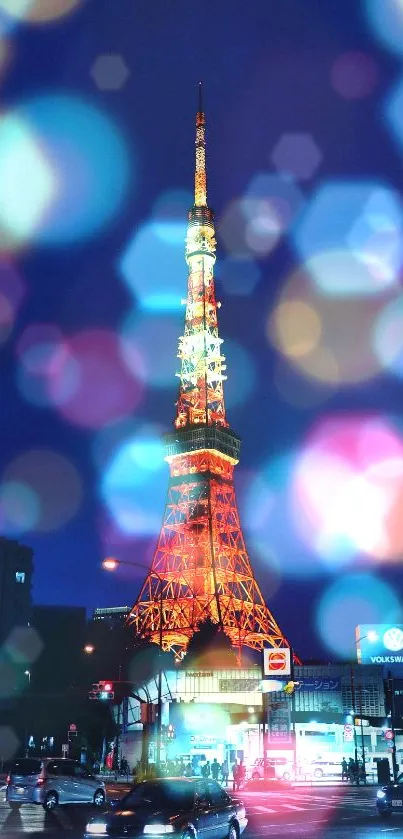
(200,168)
(200,109)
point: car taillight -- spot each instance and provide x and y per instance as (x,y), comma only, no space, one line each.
(40,782)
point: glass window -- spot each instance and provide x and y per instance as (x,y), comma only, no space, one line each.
(216,794)
(26,766)
(67,767)
(53,768)
(164,793)
(20,576)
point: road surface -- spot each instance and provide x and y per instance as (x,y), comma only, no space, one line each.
(301,813)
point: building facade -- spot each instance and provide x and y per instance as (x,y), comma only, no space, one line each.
(336,710)
(16,568)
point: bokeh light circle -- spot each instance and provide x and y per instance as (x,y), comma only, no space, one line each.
(133,483)
(296,155)
(354,75)
(238,276)
(386,20)
(39,11)
(149,345)
(41,351)
(64,171)
(9,742)
(388,337)
(347,489)
(91,384)
(351,236)
(328,339)
(354,599)
(268,524)
(155,252)
(239,387)
(12,293)
(19,508)
(41,491)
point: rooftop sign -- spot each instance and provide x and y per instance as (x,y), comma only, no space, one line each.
(380,643)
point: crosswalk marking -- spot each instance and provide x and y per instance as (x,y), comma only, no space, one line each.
(293,807)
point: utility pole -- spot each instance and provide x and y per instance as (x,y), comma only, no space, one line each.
(353,701)
(294,733)
(391,688)
(364,771)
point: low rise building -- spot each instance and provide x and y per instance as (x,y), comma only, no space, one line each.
(336,711)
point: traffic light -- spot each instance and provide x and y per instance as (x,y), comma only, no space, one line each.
(102,690)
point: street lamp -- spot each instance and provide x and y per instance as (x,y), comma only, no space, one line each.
(28,673)
(111,564)
(89,649)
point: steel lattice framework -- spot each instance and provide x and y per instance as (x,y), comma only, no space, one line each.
(201,566)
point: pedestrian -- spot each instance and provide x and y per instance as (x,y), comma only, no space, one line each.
(235,772)
(241,773)
(344,770)
(205,770)
(351,770)
(215,769)
(224,773)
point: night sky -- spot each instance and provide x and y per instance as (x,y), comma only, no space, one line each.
(304,104)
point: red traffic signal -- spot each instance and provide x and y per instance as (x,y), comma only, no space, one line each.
(102,690)
(389,735)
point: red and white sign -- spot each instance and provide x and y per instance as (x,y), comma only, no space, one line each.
(72,726)
(348,733)
(277,661)
(389,735)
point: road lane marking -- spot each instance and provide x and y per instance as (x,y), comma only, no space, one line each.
(294,807)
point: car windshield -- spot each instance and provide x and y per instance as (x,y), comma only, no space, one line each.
(26,766)
(174,794)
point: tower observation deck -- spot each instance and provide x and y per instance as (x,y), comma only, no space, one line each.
(201,567)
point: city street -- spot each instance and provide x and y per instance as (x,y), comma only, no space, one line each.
(310,813)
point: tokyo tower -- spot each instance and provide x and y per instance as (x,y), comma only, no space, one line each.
(201,567)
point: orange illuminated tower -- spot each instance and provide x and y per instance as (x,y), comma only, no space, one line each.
(201,567)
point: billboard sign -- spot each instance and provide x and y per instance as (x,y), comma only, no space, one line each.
(379,643)
(320,684)
(348,733)
(277,661)
(279,723)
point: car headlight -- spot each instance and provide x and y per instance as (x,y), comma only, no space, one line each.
(96,828)
(157,829)
(381,794)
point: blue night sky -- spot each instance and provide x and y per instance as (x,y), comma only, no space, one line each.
(304,104)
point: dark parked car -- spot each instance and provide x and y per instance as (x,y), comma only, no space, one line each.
(182,807)
(389,799)
(51,782)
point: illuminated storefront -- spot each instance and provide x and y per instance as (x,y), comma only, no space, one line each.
(219,714)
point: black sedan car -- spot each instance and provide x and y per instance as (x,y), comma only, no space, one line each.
(184,808)
(389,799)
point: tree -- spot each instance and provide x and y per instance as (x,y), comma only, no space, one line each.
(210,648)
(145,661)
